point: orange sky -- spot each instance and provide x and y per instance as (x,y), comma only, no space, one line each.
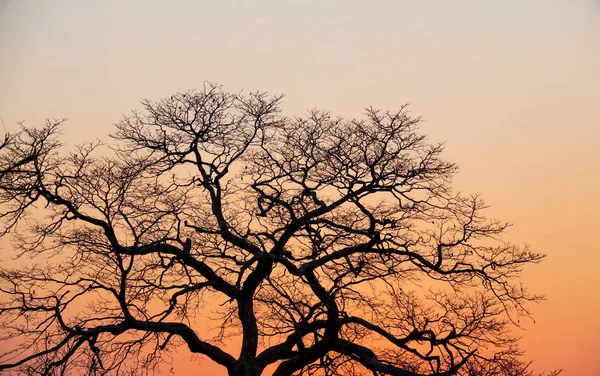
(513,87)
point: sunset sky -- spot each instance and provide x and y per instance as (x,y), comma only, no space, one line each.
(512,87)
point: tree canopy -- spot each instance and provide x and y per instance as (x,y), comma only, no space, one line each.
(265,243)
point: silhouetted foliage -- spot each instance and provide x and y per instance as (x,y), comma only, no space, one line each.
(317,245)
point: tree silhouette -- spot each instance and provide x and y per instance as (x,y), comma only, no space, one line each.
(305,245)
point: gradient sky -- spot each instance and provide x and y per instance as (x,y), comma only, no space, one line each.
(512,87)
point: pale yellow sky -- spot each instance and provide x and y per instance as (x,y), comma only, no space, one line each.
(513,87)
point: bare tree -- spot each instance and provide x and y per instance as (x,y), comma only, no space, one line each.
(315,245)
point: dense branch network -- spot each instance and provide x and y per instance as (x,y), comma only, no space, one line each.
(317,245)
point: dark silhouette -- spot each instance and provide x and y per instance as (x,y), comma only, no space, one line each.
(318,245)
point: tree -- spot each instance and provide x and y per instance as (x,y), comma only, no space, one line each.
(317,245)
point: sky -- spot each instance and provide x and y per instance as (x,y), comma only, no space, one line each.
(512,87)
